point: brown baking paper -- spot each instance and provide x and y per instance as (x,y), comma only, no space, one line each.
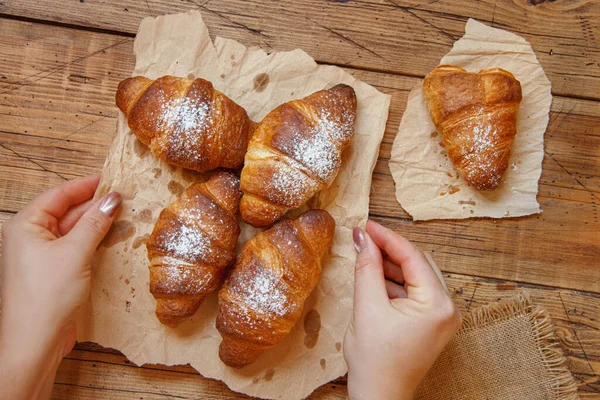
(427,185)
(120,312)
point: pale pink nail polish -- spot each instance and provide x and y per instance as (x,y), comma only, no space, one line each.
(111,204)
(358,236)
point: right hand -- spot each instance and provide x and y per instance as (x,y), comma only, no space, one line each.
(403,317)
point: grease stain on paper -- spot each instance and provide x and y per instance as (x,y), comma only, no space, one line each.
(269,374)
(261,81)
(312,326)
(119,232)
(143,216)
(175,188)
(140,240)
(453,189)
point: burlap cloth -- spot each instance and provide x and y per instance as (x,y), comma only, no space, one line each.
(506,350)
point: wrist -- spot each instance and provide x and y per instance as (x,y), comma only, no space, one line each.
(363,387)
(27,367)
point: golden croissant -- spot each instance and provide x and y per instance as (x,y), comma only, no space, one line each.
(186,123)
(476,115)
(263,297)
(295,152)
(191,246)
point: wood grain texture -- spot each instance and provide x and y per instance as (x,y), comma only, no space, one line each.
(56,127)
(399,36)
(100,375)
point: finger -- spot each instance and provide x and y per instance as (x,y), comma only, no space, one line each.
(436,269)
(415,268)
(395,291)
(68,221)
(369,282)
(392,271)
(56,201)
(91,228)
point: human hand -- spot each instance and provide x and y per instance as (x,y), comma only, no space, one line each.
(46,252)
(403,317)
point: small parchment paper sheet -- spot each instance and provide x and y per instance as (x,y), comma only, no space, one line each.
(427,185)
(120,313)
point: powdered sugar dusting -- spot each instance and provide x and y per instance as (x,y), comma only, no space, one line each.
(264,295)
(179,277)
(187,123)
(485,149)
(291,185)
(188,242)
(194,213)
(320,151)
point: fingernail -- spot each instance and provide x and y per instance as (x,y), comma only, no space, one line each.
(359,239)
(111,204)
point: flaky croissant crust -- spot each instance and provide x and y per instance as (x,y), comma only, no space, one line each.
(186,123)
(191,246)
(263,297)
(295,152)
(476,115)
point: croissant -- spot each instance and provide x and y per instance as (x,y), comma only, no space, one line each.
(476,115)
(191,246)
(186,123)
(296,151)
(264,295)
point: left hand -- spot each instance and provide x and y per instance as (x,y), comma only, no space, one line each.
(46,252)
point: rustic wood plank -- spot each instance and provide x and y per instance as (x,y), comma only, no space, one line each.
(399,36)
(557,248)
(58,117)
(4,216)
(92,370)
(101,379)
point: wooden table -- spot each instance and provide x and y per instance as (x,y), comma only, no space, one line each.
(60,62)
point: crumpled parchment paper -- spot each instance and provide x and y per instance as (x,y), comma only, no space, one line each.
(427,185)
(120,312)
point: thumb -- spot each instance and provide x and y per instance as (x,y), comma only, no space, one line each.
(94,224)
(369,280)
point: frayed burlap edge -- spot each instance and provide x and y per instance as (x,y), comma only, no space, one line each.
(563,385)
